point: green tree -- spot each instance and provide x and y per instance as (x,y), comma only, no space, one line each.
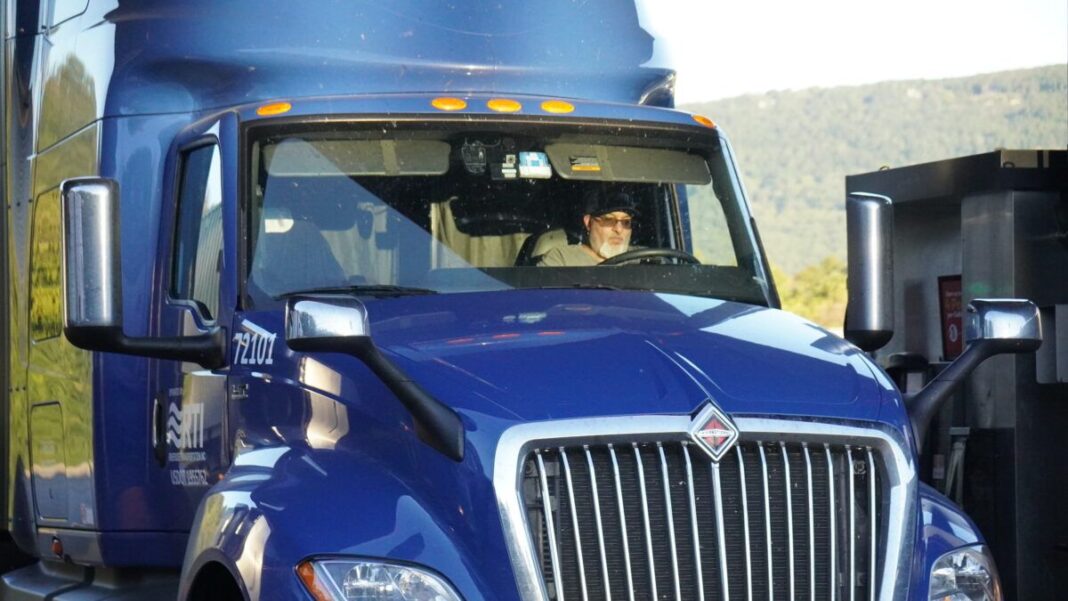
(817,293)
(796,147)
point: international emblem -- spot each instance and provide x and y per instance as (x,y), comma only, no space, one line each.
(713,431)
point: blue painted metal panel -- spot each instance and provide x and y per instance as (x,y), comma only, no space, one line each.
(942,527)
(201,54)
(135,493)
(593,353)
(130,493)
(283,504)
(588,353)
(320,432)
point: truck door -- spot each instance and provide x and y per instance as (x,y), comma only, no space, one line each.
(196,290)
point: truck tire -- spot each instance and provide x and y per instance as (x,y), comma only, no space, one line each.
(11,557)
(214,582)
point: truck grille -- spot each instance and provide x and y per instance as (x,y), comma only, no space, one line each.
(638,521)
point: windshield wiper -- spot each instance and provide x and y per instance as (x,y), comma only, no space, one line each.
(584,287)
(364,290)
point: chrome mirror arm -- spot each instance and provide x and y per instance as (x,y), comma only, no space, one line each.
(993,327)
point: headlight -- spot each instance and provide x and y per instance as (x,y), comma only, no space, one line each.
(356,580)
(966,574)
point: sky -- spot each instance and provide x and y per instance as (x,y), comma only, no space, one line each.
(722,49)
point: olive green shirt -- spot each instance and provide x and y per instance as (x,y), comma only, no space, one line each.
(573,255)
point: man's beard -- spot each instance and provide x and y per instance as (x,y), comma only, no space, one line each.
(608,249)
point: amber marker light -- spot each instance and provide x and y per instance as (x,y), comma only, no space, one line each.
(557,106)
(275,108)
(703,120)
(307,575)
(504,105)
(446,103)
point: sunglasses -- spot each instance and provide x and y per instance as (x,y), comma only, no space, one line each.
(611,222)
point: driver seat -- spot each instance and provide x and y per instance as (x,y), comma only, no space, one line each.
(296,258)
(536,245)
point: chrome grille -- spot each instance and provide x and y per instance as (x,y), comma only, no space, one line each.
(660,520)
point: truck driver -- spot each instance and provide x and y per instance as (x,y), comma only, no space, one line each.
(608,220)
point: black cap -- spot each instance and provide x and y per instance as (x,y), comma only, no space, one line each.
(600,201)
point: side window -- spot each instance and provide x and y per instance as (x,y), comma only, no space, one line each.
(46,289)
(199,233)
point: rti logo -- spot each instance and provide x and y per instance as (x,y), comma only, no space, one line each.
(185,426)
(713,431)
(185,433)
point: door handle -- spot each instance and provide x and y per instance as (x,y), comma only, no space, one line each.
(159,429)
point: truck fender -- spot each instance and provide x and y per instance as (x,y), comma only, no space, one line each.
(943,527)
(277,507)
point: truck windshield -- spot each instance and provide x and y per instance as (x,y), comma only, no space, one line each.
(389,211)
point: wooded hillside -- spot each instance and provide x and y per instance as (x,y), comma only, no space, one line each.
(795,148)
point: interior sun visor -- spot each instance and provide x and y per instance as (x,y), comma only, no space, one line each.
(293,157)
(627,164)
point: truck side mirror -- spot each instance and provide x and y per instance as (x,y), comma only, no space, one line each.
(338,324)
(92,270)
(869,322)
(319,322)
(992,327)
(1003,325)
(92,281)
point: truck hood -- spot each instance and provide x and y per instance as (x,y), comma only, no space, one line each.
(503,359)
(531,355)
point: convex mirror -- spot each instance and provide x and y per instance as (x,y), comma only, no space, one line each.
(92,281)
(338,324)
(1011,325)
(870,231)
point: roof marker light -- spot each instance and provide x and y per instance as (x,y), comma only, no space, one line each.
(446,103)
(275,108)
(504,105)
(557,106)
(703,120)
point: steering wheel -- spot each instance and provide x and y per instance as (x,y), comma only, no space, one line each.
(651,253)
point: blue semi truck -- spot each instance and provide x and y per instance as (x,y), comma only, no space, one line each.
(279,324)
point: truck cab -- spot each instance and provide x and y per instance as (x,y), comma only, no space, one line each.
(328,324)
(363,371)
